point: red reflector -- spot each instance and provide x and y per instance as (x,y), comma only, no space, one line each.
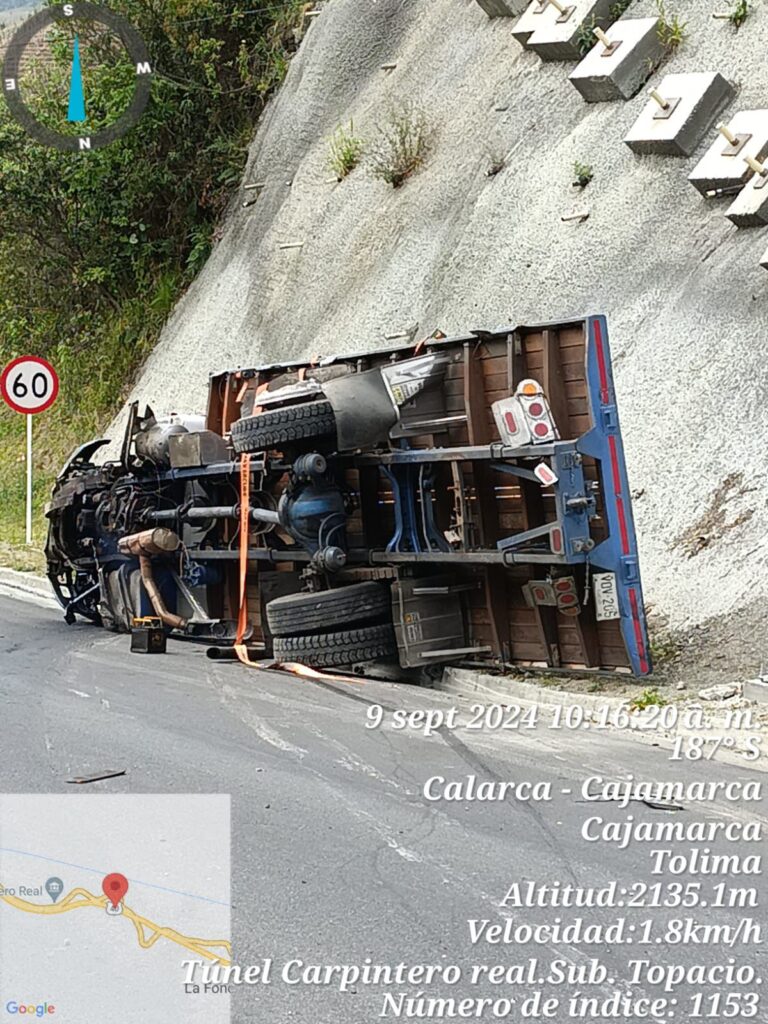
(535,409)
(563,585)
(567,599)
(556,540)
(509,419)
(541,429)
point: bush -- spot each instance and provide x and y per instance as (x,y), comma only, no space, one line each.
(401,145)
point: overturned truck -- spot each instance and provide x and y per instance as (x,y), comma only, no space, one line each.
(464,500)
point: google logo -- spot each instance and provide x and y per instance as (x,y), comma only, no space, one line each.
(35,1011)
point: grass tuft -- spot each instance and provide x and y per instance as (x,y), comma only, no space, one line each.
(401,145)
(648,698)
(672,31)
(740,11)
(344,151)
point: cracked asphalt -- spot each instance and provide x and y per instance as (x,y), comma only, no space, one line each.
(336,854)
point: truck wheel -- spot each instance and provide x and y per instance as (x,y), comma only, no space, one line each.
(292,423)
(299,614)
(326,650)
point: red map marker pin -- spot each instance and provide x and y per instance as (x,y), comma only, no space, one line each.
(115,886)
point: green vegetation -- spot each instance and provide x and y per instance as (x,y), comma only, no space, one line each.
(345,150)
(740,11)
(672,31)
(647,698)
(619,8)
(585,37)
(582,174)
(96,248)
(401,145)
(666,648)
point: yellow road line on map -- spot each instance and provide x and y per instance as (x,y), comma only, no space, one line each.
(147,931)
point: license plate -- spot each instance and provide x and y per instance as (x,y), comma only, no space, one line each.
(606,596)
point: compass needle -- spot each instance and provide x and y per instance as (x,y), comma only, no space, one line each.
(76,97)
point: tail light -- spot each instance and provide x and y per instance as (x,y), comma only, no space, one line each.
(539,593)
(566,595)
(511,423)
(525,417)
(560,593)
(535,408)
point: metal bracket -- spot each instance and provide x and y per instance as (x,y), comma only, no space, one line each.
(664,113)
(741,141)
(611,48)
(455,652)
(761,180)
(630,570)
(610,418)
(518,471)
(569,460)
(525,537)
(455,588)
(579,503)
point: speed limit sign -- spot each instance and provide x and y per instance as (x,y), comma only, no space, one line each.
(29,385)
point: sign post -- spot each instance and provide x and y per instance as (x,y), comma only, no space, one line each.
(29,479)
(29,385)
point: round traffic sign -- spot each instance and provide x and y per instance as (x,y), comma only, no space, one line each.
(29,384)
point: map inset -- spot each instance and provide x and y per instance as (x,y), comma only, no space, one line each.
(103,898)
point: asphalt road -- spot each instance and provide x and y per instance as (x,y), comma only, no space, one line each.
(337,856)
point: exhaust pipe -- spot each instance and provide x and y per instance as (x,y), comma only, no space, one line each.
(156,598)
(159,541)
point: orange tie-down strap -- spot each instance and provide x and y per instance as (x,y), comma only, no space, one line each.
(245,519)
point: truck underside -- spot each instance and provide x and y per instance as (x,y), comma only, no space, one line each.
(462,501)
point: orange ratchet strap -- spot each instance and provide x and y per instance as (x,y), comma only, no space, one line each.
(245,518)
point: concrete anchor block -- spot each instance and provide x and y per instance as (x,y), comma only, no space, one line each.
(693,101)
(537,14)
(750,208)
(724,165)
(560,39)
(503,8)
(619,70)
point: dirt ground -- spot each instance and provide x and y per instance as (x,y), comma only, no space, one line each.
(721,650)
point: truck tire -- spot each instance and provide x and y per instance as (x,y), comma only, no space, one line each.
(300,614)
(327,650)
(280,426)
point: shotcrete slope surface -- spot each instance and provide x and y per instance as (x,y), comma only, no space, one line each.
(457,249)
